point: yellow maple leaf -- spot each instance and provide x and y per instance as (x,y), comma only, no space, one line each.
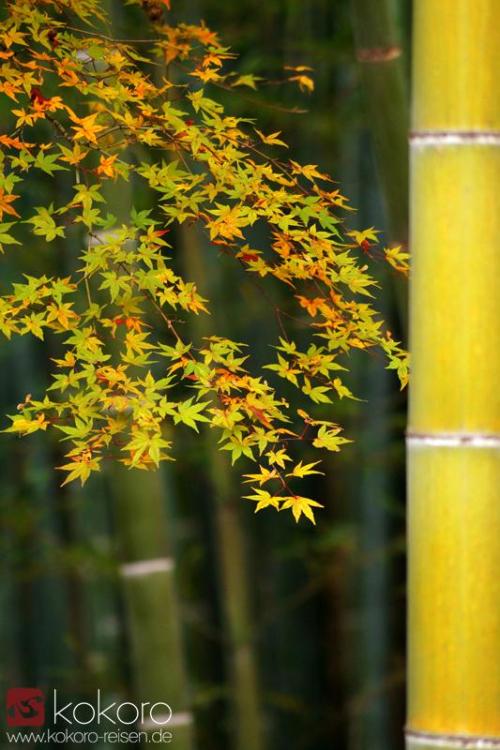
(397,258)
(13,36)
(80,468)
(310,171)
(302,470)
(26,426)
(301,505)
(86,127)
(272,139)
(75,156)
(369,234)
(306,83)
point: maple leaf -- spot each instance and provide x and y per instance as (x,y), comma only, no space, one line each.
(301,505)
(278,457)
(5,237)
(272,139)
(246,80)
(13,36)
(310,171)
(264,475)
(5,203)
(26,426)
(14,142)
(304,470)
(86,127)
(264,499)
(367,234)
(11,89)
(298,68)
(397,258)
(306,83)
(80,468)
(189,413)
(106,165)
(228,223)
(73,156)
(328,437)
(206,74)
(311,305)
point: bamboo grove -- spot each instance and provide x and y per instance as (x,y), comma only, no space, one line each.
(93,110)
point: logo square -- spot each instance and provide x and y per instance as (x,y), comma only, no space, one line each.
(25,707)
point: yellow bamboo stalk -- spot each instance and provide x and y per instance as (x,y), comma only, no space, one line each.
(454,422)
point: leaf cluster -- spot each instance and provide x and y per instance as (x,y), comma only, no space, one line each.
(106,112)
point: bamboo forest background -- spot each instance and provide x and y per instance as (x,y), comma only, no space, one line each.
(275,635)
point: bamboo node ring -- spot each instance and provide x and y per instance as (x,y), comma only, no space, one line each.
(454,137)
(452,439)
(378,54)
(459,741)
(141,568)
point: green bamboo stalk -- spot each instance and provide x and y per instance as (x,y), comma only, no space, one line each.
(154,620)
(232,566)
(376,486)
(372,691)
(379,52)
(40,593)
(143,519)
(233,572)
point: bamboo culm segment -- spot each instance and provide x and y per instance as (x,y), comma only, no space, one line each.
(147,573)
(456,64)
(454,590)
(455,235)
(454,424)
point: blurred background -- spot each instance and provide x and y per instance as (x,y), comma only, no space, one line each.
(275,636)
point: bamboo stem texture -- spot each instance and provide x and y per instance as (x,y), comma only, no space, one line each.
(153,613)
(454,425)
(379,52)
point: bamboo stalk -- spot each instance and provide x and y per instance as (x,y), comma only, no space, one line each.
(41,595)
(454,424)
(147,572)
(372,479)
(379,52)
(234,583)
(143,525)
(373,474)
(232,566)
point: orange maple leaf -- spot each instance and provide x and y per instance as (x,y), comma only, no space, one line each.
(5,201)
(311,305)
(86,127)
(106,165)
(9,142)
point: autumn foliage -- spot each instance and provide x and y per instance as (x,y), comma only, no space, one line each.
(77,100)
